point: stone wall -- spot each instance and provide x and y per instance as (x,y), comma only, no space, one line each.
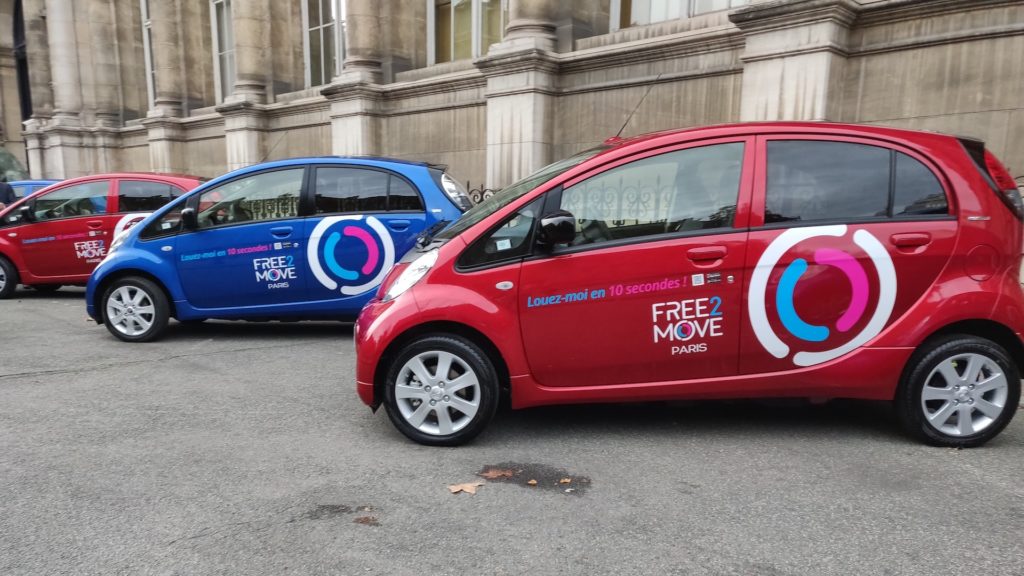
(558,83)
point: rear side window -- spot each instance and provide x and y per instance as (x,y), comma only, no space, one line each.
(143,196)
(917,189)
(345,189)
(814,180)
(21,191)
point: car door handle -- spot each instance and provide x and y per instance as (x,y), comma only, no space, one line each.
(399,225)
(911,239)
(94,224)
(705,253)
(281,231)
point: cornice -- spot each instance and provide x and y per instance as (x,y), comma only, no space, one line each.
(780,14)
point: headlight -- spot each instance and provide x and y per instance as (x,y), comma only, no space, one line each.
(118,241)
(411,275)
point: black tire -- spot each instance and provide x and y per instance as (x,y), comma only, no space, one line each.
(468,355)
(924,369)
(46,288)
(10,279)
(160,314)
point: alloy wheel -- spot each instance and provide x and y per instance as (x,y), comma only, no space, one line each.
(131,310)
(437,393)
(964,394)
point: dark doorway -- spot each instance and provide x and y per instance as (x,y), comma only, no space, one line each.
(21,62)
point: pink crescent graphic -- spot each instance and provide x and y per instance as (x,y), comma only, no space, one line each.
(858,283)
(373,254)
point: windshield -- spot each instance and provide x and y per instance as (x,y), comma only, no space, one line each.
(514,192)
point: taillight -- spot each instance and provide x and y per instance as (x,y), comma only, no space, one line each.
(996,175)
(1005,185)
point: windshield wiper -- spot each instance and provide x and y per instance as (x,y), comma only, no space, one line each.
(427,236)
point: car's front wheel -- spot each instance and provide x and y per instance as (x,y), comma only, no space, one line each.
(959,391)
(135,309)
(442,390)
(8,278)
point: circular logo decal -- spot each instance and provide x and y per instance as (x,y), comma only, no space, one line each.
(129,220)
(785,306)
(357,253)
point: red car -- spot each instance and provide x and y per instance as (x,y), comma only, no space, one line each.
(752,260)
(58,235)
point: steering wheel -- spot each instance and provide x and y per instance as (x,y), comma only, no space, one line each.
(593,231)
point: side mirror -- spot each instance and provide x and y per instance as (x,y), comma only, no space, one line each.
(189,220)
(27,215)
(557,228)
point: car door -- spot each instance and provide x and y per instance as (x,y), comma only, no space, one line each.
(846,234)
(365,219)
(138,198)
(650,290)
(70,230)
(248,248)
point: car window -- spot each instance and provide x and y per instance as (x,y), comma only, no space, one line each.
(818,180)
(402,196)
(22,190)
(918,191)
(167,224)
(265,196)
(84,199)
(511,240)
(143,196)
(682,191)
(342,189)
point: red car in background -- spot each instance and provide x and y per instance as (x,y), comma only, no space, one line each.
(752,260)
(57,236)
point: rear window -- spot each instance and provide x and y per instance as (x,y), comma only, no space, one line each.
(144,196)
(814,180)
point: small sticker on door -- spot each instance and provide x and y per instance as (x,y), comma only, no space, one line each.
(697,279)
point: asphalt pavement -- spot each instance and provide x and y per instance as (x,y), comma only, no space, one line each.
(238,448)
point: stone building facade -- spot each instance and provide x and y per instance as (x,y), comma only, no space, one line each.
(493,88)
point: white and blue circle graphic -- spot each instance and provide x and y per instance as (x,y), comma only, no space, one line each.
(351,254)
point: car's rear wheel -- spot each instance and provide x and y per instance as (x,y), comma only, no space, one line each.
(960,391)
(442,390)
(8,278)
(135,310)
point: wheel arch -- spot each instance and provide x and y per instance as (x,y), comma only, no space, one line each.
(101,289)
(988,329)
(440,327)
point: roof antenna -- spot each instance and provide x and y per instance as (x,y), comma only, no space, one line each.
(642,98)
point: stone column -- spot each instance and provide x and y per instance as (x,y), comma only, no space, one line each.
(531,23)
(64,65)
(521,76)
(244,128)
(166,47)
(794,58)
(355,118)
(37,53)
(251,21)
(363,53)
(106,83)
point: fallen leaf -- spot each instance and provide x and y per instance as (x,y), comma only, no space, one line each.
(468,487)
(565,480)
(532,482)
(367,520)
(493,473)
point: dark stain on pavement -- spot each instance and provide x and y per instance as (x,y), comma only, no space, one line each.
(536,477)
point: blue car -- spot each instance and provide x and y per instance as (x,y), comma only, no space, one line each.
(306,238)
(24,188)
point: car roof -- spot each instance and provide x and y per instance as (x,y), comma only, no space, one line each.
(31,182)
(373,161)
(767,128)
(186,179)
